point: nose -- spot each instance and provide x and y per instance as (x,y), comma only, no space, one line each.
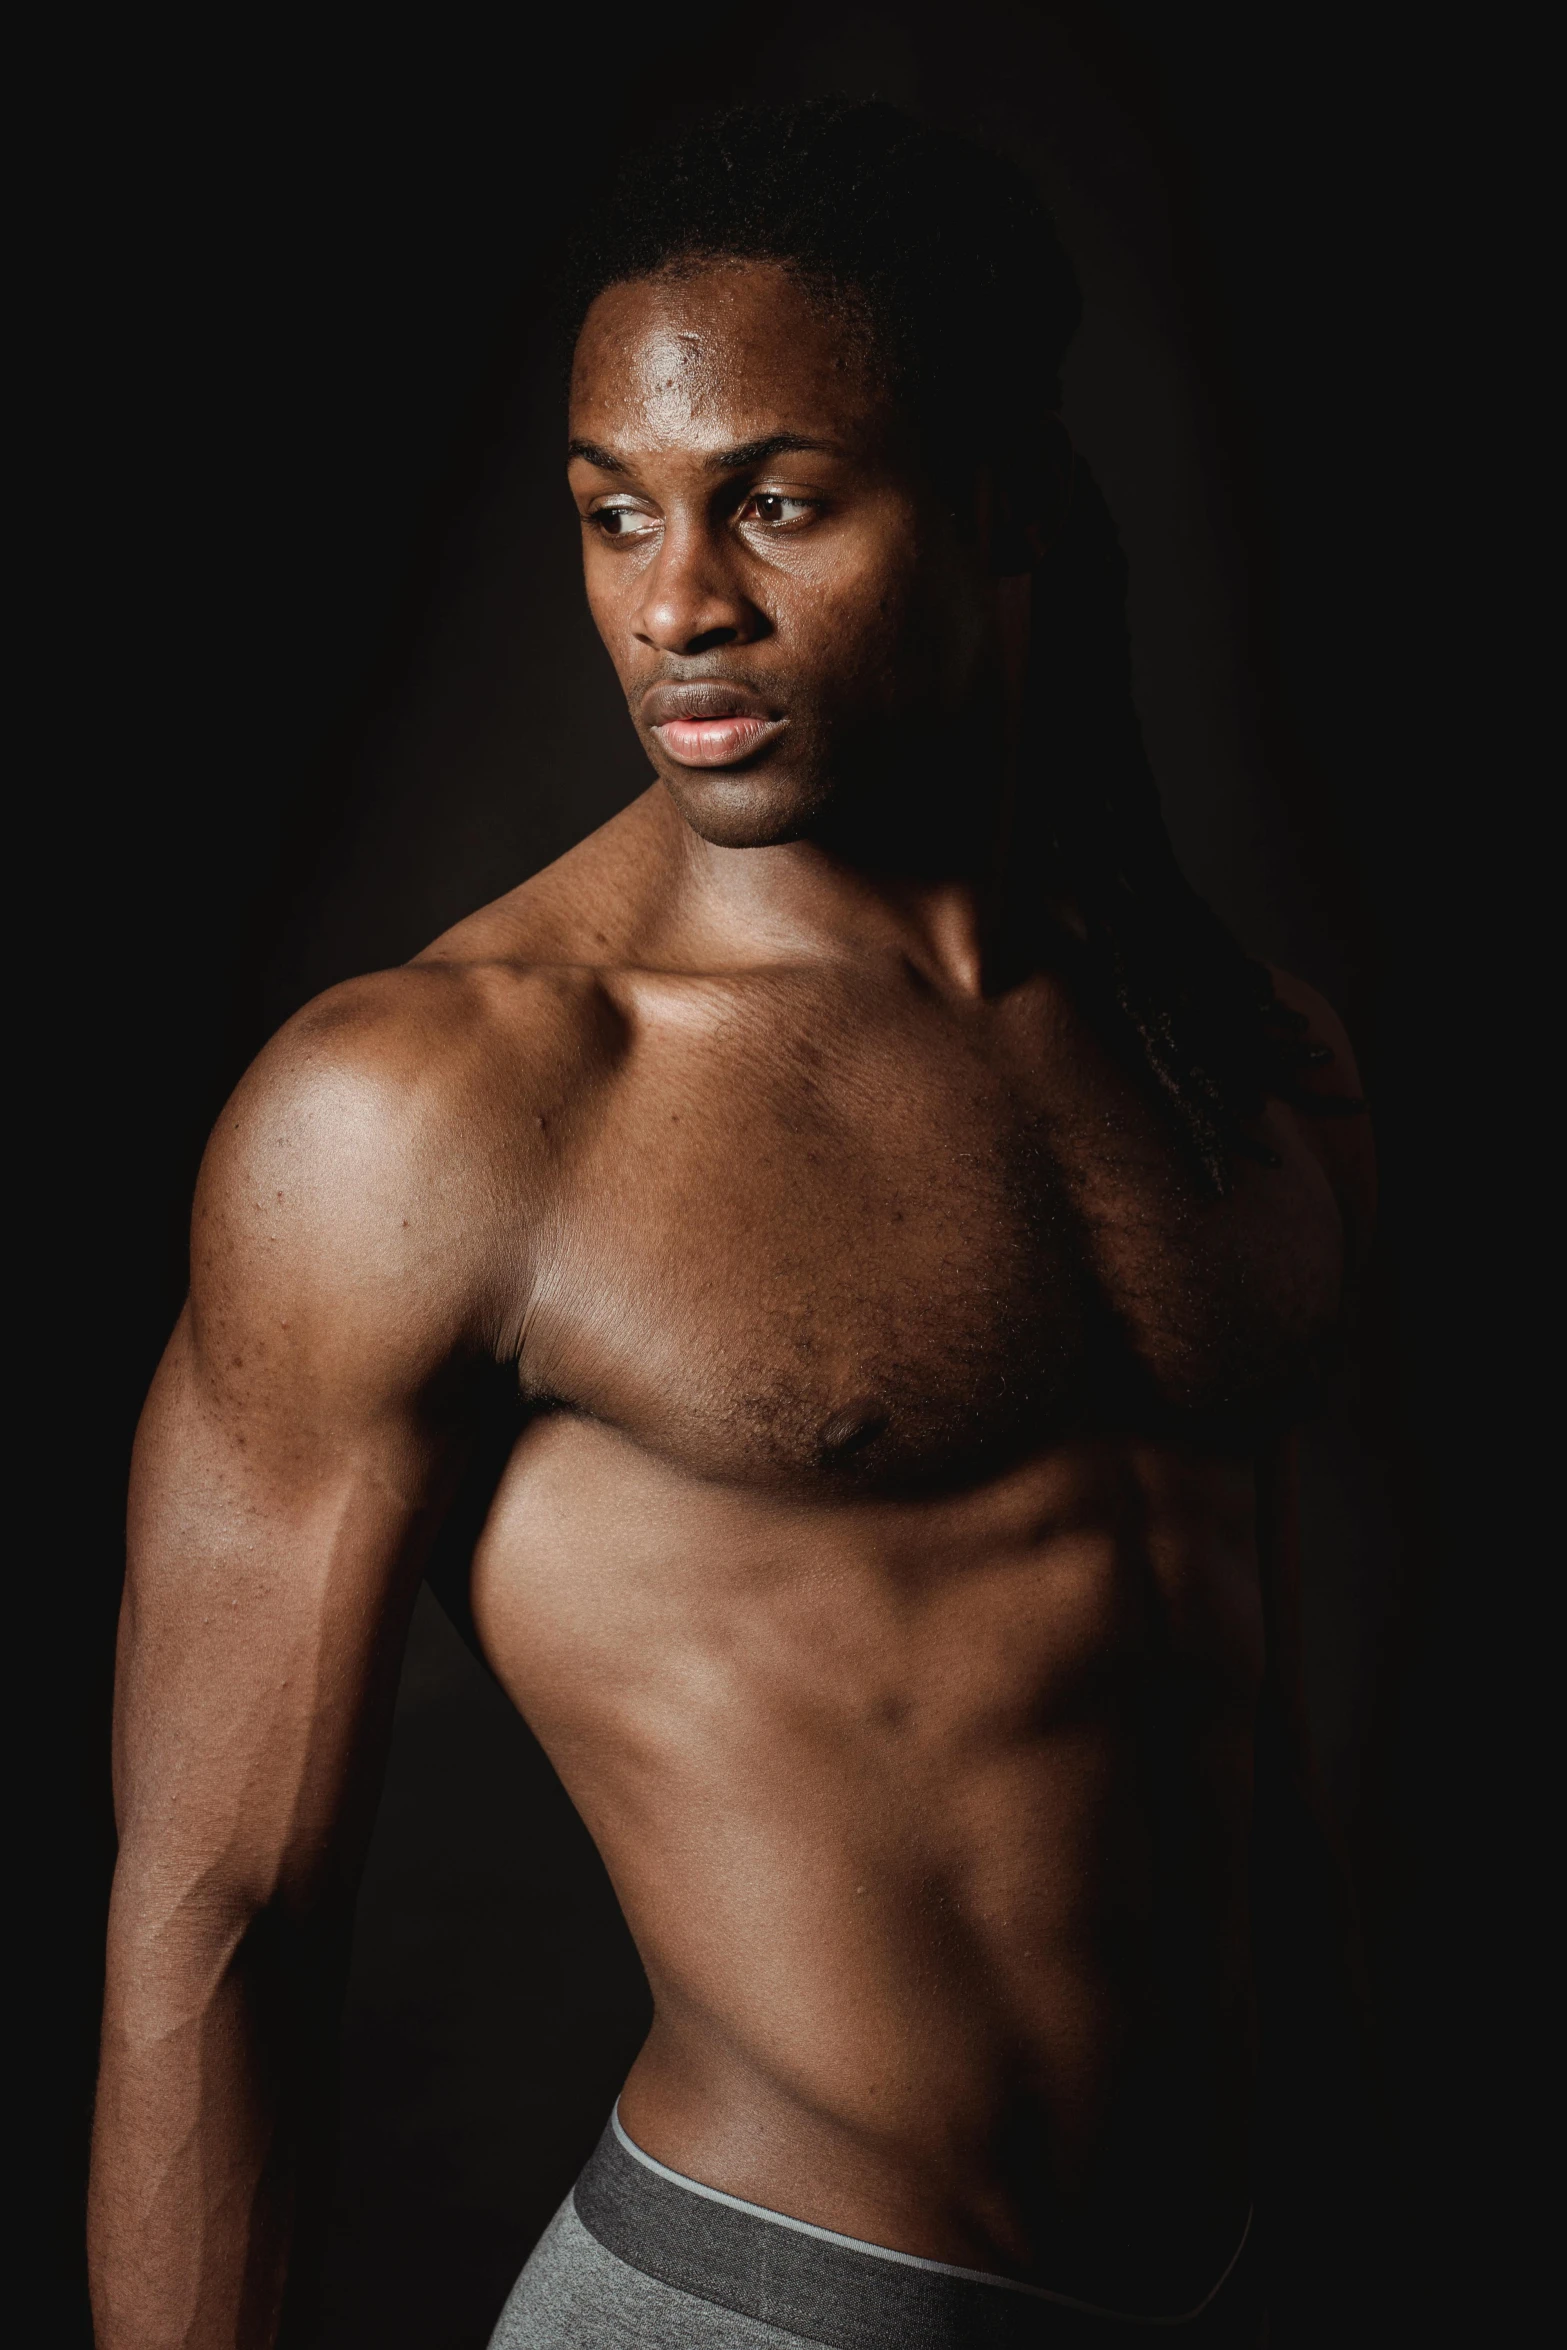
(693,598)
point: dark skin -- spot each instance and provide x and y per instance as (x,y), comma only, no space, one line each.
(896,1546)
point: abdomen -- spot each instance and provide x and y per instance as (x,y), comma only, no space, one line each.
(929,1817)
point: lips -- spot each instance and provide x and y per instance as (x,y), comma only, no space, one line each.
(712,724)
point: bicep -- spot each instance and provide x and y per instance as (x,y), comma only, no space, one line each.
(302,1436)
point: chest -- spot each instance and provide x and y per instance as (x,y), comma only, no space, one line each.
(905,1249)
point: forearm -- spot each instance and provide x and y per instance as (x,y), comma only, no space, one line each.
(207,2152)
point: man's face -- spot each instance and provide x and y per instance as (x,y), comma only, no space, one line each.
(793,614)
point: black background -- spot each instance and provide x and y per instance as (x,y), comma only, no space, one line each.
(327,682)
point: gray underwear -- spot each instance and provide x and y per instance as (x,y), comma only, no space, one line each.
(639,2258)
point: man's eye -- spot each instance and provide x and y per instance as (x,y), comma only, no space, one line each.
(775,510)
(622,522)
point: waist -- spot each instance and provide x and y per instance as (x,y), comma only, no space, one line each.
(1123,2192)
(815,2283)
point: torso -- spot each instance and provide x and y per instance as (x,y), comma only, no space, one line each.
(878,1563)
(858,1238)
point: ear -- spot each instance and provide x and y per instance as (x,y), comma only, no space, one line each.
(1023,499)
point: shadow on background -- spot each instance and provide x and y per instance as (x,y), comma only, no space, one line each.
(333,684)
(495,2007)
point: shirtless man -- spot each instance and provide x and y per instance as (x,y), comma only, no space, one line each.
(901,1221)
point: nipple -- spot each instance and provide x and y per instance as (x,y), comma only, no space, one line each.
(850,1430)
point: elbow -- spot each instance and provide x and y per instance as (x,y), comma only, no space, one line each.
(182,1943)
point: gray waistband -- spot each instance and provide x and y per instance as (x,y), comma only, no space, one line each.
(854,2296)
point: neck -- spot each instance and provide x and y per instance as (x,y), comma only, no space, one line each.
(922,866)
(828,898)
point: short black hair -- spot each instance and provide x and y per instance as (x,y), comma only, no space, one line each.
(941,254)
(944,260)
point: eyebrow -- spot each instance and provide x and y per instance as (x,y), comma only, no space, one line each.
(593,454)
(777,444)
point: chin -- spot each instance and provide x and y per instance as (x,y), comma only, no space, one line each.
(744,811)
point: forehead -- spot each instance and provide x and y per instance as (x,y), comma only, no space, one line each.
(716,356)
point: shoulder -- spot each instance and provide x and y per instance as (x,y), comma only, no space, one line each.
(1338,1074)
(381,1164)
(608,903)
(1340,1139)
(426,1061)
